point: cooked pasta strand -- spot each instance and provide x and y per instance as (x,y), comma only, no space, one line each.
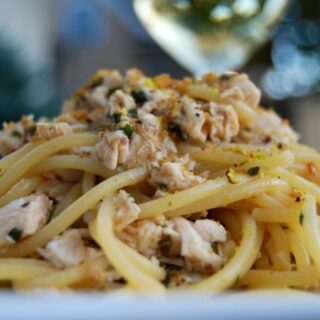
(234,193)
(106,238)
(171,202)
(278,215)
(21,269)
(309,229)
(267,278)
(39,153)
(72,195)
(240,263)
(70,162)
(139,260)
(9,160)
(63,278)
(22,189)
(74,211)
(298,250)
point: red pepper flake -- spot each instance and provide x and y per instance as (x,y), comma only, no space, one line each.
(312,169)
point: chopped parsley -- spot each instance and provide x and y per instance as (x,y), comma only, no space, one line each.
(301,218)
(116,117)
(231,175)
(133,113)
(165,245)
(214,246)
(253,171)
(112,91)
(16,134)
(32,130)
(139,96)
(54,204)
(78,98)
(15,234)
(128,130)
(162,186)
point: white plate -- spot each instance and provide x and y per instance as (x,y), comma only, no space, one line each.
(251,305)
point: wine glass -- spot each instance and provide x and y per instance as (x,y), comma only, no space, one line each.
(204,35)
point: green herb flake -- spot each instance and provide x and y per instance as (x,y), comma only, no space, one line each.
(112,91)
(231,175)
(128,130)
(165,245)
(253,171)
(78,98)
(301,218)
(214,246)
(260,156)
(15,234)
(16,134)
(116,117)
(32,130)
(139,96)
(133,113)
(162,186)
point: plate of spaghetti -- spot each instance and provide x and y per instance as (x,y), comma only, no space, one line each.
(158,185)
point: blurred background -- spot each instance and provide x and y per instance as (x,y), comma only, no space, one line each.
(48,48)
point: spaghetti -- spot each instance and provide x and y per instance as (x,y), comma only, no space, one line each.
(157,184)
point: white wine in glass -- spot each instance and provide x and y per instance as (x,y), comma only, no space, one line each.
(204,35)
